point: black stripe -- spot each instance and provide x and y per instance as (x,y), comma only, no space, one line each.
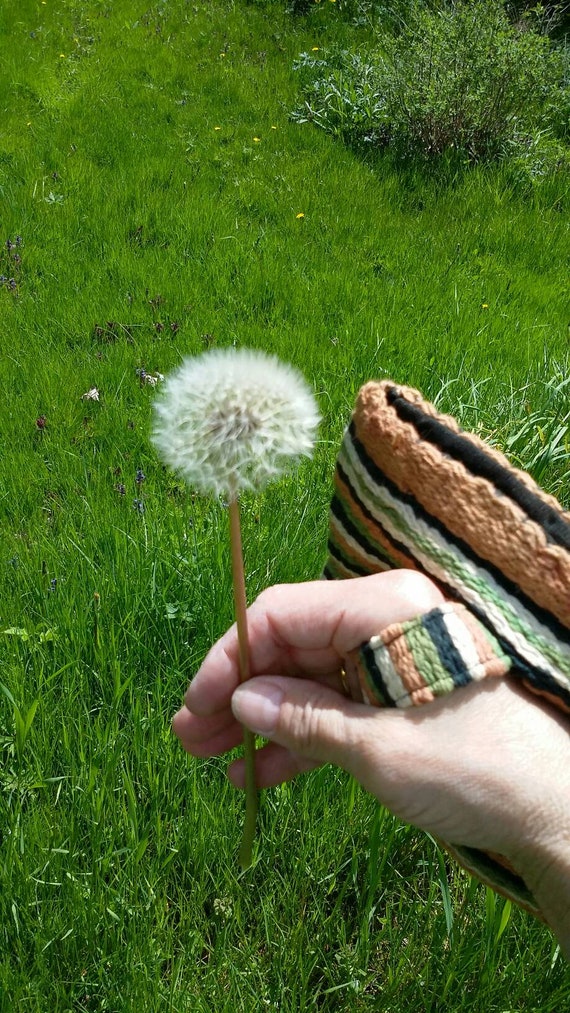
(455,445)
(451,659)
(495,872)
(376,675)
(545,617)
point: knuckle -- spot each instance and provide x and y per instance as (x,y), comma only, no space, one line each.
(268,598)
(421,589)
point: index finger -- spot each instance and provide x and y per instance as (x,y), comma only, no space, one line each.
(286,636)
(307,629)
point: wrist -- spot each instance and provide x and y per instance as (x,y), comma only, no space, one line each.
(546,872)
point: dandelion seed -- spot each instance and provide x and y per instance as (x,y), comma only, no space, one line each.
(90,395)
(151,379)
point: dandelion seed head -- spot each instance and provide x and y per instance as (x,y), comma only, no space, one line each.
(234,419)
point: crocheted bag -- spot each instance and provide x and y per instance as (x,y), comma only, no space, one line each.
(413,490)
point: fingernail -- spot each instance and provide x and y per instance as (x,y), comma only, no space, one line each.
(256,704)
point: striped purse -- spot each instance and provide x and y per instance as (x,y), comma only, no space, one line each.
(413,490)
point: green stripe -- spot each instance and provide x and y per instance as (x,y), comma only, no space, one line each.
(427,659)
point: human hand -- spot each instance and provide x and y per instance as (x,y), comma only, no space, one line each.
(487,767)
(301,631)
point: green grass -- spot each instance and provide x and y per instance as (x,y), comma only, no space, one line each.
(147,234)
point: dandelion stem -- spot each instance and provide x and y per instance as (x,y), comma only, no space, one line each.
(238,576)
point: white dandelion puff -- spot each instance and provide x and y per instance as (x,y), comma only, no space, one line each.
(229,420)
(234,419)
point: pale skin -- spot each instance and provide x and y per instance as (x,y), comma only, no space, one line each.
(508,787)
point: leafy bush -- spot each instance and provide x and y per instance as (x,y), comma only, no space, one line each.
(459,76)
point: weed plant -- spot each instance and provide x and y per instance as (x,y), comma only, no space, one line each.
(456,78)
(156,200)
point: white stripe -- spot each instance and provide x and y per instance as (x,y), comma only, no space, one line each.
(394,685)
(462,639)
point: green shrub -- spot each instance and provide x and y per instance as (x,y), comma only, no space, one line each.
(460,77)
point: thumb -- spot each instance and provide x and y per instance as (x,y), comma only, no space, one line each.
(307,719)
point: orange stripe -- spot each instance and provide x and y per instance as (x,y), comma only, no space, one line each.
(405,665)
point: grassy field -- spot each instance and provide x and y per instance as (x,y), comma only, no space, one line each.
(156,200)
